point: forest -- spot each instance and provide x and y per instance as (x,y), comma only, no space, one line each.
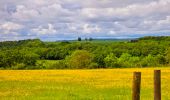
(149,51)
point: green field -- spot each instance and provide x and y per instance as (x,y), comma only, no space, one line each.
(98,84)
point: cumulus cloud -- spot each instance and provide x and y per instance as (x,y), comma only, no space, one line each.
(73,18)
(90,28)
(44,31)
(10,27)
(22,13)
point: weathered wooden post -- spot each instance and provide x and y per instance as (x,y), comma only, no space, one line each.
(136,86)
(157,85)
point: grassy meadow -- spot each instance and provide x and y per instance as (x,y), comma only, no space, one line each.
(97,84)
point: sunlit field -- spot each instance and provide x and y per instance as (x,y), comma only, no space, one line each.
(97,84)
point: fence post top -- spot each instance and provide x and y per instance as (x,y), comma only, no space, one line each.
(137,73)
(157,70)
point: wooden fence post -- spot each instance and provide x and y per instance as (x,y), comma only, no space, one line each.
(157,85)
(136,86)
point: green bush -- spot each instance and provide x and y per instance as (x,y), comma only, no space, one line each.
(93,65)
(111,61)
(79,59)
(19,66)
(150,61)
(59,65)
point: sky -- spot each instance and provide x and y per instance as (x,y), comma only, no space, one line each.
(52,20)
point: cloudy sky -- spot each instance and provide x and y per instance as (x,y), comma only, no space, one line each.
(69,19)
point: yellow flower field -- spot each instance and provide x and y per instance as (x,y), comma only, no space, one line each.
(97,84)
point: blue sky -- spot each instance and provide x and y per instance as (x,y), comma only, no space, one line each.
(68,19)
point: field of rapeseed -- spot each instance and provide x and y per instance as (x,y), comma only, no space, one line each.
(97,84)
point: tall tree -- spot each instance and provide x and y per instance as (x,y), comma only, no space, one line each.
(79,38)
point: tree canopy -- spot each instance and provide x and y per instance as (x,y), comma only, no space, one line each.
(27,54)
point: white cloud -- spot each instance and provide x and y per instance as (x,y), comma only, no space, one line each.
(44,31)
(131,11)
(112,33)
(90,28)
(92,17)
(24,14)
(10,27)
(165,21)
(72,27)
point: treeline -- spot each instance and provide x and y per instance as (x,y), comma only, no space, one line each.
(35,54)
(158,38)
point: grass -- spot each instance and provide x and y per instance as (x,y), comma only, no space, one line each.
(97,84)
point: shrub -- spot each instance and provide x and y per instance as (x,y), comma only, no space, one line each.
(59,65)
(111,61)
(79,59)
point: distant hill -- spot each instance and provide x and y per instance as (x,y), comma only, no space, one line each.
(28,43)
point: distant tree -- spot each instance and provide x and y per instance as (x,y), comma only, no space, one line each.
(148,51)
(79,38)
(124,60)
(90,39)
(59,64)
(133,41)
(111,61)
(149,61)
(17,58)
(80,59)
(30,58)
(134,61)
(86,39)
(100,53)
(161,59)
(168,56)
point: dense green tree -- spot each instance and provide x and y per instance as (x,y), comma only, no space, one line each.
(100,54)
(161,59)
(147,51)
(111,61)
(149,60)
(167,57)
(79,39)
(80,59)
(16,57)
(90,39)
(134,61)
(124,60)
